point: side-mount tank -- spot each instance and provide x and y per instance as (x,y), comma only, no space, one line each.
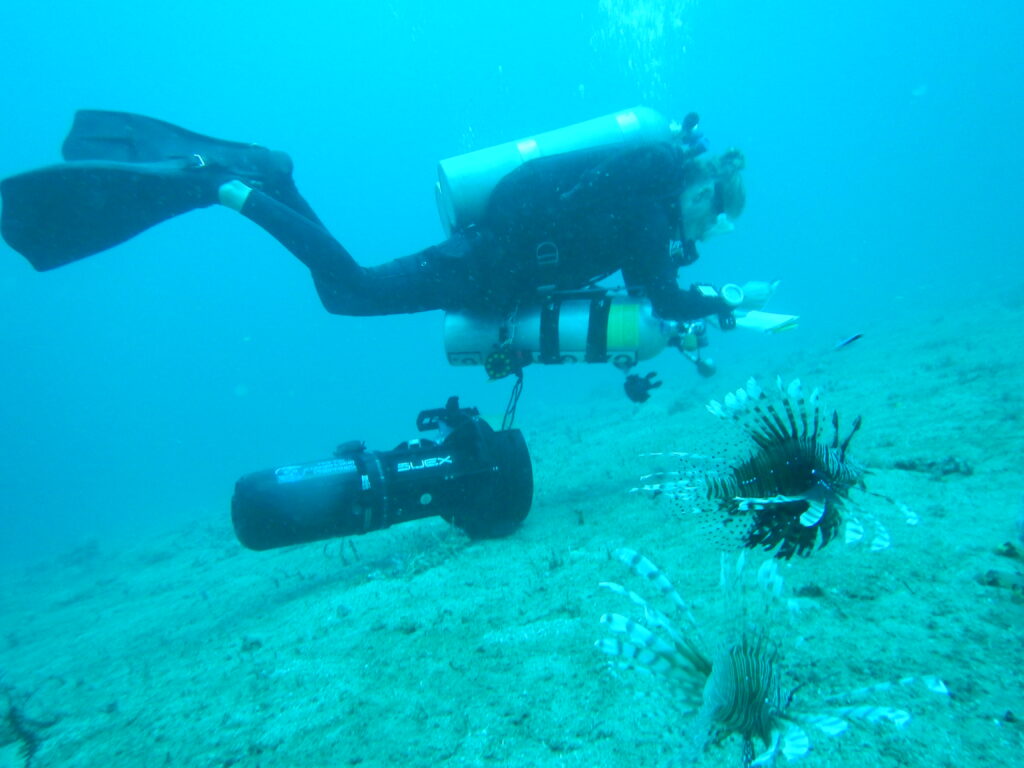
(622,330)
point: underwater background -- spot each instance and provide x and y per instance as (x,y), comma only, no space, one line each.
(883,180)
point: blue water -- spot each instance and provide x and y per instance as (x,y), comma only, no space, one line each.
(882,145)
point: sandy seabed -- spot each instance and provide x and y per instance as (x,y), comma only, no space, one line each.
(417,647)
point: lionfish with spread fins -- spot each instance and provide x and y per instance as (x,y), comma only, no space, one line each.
(791,492)
(735,684)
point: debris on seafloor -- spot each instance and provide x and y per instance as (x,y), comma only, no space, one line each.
(21,734)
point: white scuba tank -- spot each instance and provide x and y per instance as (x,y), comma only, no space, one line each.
(465,182)
(622,330)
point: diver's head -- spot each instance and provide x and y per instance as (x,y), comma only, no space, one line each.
(713,195)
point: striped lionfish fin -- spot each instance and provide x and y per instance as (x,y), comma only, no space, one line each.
(645,650)
(766,423)
(793,744)
(652,615)
(872,714)
(648,571)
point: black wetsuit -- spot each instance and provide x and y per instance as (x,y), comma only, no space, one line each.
(558,222)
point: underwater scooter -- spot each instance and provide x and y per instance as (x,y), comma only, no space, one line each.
(476,478)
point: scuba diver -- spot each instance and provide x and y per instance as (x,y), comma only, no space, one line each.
(560,221)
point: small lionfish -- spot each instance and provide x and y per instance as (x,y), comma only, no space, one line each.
(790,493)
(736,685)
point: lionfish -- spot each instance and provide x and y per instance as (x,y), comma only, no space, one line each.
(791,491)
(737,685)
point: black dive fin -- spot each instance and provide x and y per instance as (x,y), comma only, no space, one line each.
(128,138)
(56,215)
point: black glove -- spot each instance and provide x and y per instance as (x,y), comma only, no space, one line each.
(638,388)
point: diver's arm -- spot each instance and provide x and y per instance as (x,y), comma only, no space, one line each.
(652,269)
(673,303)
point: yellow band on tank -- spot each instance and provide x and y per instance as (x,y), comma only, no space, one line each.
(624,326)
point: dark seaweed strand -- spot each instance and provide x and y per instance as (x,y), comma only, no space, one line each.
(23,727)
(27,730)
(846,443)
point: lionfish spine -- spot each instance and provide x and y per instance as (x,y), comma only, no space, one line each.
(909,515)
(647,650)
(633,655)
(775,424)
(854,530)
(814,401)
(637,634)
(835,466)
(796,390)
(827,724)
(881,538)
(931,682)
(792,392)
(721,486)
(795,742)
(652,615)
(872,714)
(645,569)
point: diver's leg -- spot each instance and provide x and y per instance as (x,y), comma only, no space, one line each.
(307,239)
(445,276)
